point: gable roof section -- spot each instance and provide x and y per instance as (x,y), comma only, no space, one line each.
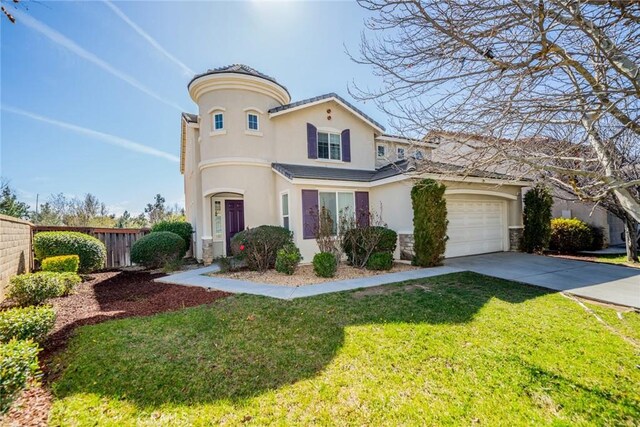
(305,103)
(186,118)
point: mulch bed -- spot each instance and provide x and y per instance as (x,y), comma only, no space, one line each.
(103,296)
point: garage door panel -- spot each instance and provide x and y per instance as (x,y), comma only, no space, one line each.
(475,227)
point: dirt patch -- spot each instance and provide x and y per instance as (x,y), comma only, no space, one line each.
(304,275)
(386,289)
(103,296)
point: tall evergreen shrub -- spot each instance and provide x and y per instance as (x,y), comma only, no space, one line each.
(429,223)
(537,219)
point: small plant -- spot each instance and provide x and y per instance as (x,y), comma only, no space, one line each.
(429,223)
(359,242)
(157,249)
(181,228)
(537,219)
(69,281)
(171,266)
(325,231)
(259,246)
(91,251)
(380,261)
(288,259)
(325,264)
(35,288)
(18,364)
(61,264)
(26,323)
(569,235)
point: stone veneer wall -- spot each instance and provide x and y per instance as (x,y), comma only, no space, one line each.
(405,244)
(515,235)
(15,249)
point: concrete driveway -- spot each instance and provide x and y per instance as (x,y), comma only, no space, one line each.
(603,282)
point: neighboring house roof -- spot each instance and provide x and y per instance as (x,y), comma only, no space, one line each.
(305,103)
(190,118)
(392,169)
(238,69)
(186,118)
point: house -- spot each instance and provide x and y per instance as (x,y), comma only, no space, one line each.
(251,156)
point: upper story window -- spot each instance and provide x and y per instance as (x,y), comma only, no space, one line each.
(218,121)
(418,155)
(329,146)
(252,121)
(381,151)
(400,153)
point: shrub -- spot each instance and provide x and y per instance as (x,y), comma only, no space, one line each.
(259,246)
(569,235)
(181,228)
(288,259)
(18,363)
(537,219)
(35,288)
(380,261)
(91,251)
(360,242)
(429,223)
(61,263)
(325,264)
(157,249)
(597,237)
(25,323)
(69,281)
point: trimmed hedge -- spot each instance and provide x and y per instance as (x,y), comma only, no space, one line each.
(35,288)
(181,228)
(259,246)
(287,259)
(536,217)
(325,264)
(25,323)
(18,363)
(157,249)
(380,261)
(387,241)
(429,223)
(91,251)
(61,264)
(569,235)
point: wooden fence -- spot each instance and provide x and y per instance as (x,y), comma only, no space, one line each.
(117,240)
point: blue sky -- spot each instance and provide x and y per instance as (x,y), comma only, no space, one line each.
(91,93)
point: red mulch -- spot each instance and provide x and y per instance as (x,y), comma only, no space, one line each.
(104,296)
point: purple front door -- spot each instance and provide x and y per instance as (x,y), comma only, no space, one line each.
(234,214)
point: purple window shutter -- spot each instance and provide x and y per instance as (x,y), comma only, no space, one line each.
(346,145)
(309,213)
(362,208)
(312,141)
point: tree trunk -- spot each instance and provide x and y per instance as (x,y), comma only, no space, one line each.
(631,238)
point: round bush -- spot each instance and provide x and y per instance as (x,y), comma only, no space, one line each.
(157,249)
(18,363)
(91,251)
(597,237)
(35,288)
(325,264)
(569,235)
(355,242)
(380,261)
(61,264)
(181,228)
(69,281)
(288,259)
(26,323)
(259,246)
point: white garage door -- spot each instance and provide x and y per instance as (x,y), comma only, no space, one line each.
(475,227)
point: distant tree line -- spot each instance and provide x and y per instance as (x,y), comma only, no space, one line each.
(89,211)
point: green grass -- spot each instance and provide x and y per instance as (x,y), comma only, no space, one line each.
(458,349)
(616,259)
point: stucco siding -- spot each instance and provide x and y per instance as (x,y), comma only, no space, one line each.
(15,249)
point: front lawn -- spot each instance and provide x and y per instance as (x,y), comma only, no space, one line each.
(458,349)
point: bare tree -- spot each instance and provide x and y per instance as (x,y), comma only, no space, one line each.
(552,85)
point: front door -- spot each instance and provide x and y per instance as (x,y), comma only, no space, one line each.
(234,214)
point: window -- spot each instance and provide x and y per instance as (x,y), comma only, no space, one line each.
(418,155)
(217,219)
(284,207)
(218,121)
(329,146)
(400,153)
(338,204)
(252,121)
(381,151)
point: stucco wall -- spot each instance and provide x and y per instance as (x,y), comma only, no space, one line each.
(584,212)
(15,249)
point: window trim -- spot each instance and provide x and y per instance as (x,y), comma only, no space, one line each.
(282,215)
(398,153)
(336,192)
(213,112)
(384,149)
(329,133)
(257,116)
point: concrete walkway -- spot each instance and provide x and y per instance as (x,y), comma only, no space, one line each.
(196,278)
(608,283)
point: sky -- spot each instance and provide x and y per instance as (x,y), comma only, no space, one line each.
(91,92)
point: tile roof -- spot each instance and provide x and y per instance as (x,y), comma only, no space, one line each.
(237,69)
(323,97)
